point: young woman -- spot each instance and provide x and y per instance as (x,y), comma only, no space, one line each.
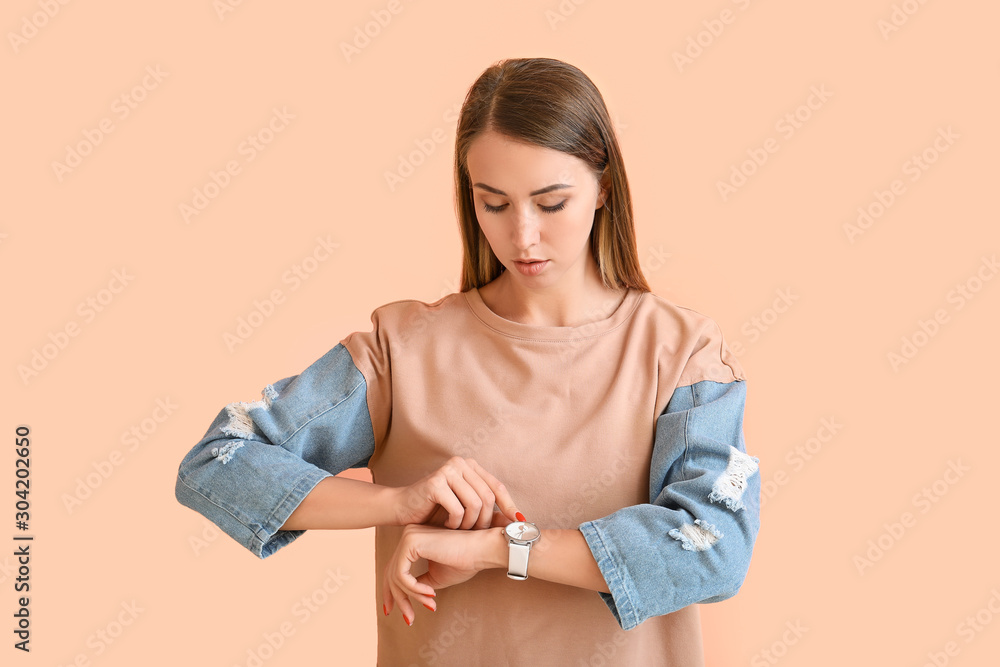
(554,387)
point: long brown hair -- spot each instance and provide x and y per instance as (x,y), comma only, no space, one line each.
(552,104)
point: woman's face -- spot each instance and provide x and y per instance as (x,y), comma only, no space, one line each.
(534,203)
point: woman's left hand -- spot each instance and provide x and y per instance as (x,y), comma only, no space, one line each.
(453,556)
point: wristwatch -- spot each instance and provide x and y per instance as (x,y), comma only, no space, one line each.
(520,536)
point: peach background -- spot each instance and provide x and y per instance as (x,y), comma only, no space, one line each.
(682,131)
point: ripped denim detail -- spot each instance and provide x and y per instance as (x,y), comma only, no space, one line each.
(225,453)
(731,484)
(240,424)
(698,537)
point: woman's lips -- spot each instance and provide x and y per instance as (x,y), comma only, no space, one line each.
(531,268)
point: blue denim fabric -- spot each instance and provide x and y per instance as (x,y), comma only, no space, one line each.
(248,482)
(643,551)
(248,475)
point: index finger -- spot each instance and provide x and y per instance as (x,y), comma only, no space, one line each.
(503,498)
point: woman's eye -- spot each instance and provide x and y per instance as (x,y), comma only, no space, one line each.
(548,209)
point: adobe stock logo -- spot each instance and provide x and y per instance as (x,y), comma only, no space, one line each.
(87,309)
(251,146)
(915,166)
(969,628)
(787,126)
(757,325)
(713,28)
(295,276)
(924,500)
(122,107)
(960,294)
(381,18)
(37,21)
(899,17)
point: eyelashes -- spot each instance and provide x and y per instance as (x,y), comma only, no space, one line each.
(547,209)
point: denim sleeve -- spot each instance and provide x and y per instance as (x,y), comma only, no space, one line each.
(259,460)
(692,543)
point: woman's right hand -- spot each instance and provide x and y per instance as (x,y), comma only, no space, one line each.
(461,492)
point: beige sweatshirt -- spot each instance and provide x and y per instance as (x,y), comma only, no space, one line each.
(566,418)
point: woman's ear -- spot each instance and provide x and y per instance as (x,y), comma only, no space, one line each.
(605,185)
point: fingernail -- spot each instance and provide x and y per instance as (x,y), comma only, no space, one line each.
(433,595)
(408,621)
(520,517)
(384,610)
(429,607)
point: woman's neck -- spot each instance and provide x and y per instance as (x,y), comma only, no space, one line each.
(569,304)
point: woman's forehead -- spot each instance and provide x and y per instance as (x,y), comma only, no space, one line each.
(494,157)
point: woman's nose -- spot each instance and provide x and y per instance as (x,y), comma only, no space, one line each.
(525,233)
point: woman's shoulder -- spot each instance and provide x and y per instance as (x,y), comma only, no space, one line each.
(695,340)
(449,300)
(406,316)
(660,307)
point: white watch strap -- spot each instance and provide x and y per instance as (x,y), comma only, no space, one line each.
(517,564)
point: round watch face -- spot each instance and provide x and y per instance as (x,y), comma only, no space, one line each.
(522,530)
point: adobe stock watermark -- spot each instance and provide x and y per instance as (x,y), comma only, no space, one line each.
(8,568)
(208,535)
(248,149)
(968,629)
(419,322)
(594,316)
(923,501)
(295,276)
(407,164)
(468,445)
(121,108)
(107,635)
(898,17)
(779,647)
(590,492)
(620,126)
(88,310)
(959,295)
(604,652)
(364,35)
(799,456)
(223,7)
(32,23)
(655,259)
(760,323)
(882,200)
(562,12)
(103,469)
(712,29)
(786,126)
(302,610)
(435,649)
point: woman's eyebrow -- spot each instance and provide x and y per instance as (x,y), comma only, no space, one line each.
(549,188)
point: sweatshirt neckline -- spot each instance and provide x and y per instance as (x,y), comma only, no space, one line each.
(538,332)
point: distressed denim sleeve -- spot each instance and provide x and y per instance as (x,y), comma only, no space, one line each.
(692,543)
(259,460)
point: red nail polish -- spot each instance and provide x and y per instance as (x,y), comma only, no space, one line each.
(520,517)
(384,610)
(429,607)
(433,595)
(408,622)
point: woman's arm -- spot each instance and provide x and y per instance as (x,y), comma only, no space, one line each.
(454,556)
(259,460)
(344,503)
(561,556)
